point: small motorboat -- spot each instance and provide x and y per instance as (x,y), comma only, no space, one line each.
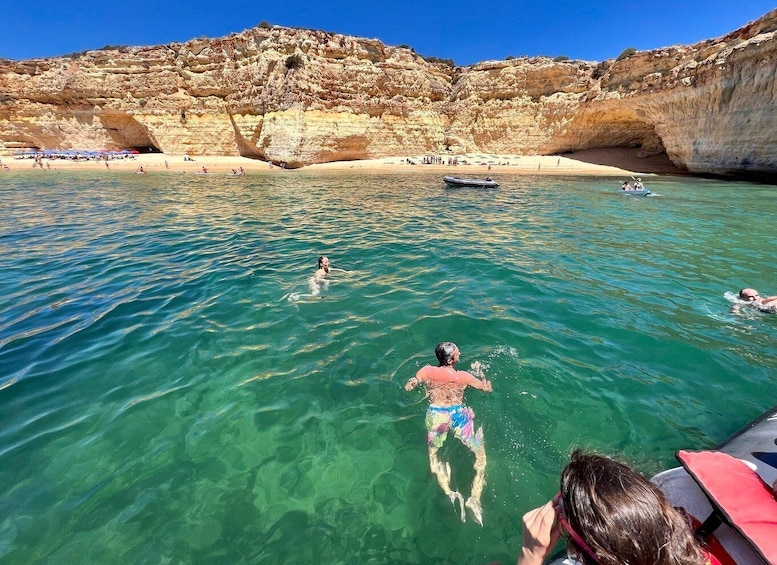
(473,183)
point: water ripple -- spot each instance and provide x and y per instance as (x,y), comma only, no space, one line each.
(173,389)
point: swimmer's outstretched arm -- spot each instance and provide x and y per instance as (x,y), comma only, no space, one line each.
(478,380)
(540,535)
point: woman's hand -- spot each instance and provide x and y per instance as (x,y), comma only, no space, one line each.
(540,534)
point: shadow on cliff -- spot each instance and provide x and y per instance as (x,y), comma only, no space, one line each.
(626,158)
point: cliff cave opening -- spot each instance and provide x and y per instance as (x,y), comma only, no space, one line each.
(632,158)
(127,133)
(144,149)
(621,138)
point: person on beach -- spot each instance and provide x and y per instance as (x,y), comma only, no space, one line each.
(753,299)
(610,514)
(445,386)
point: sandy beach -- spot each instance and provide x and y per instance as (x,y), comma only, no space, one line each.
(615,161)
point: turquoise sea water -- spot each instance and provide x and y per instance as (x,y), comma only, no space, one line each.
(170,392)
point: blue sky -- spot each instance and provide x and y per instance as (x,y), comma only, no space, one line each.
(467,32)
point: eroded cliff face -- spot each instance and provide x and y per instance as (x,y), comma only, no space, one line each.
(303,97)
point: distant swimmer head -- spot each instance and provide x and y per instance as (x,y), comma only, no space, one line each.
(323,263)
(748,294)
(447,353)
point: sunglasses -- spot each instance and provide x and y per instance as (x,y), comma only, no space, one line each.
(558,505)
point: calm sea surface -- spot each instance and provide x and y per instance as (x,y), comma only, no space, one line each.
(172,392)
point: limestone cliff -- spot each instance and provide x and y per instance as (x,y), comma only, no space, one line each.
(304,96)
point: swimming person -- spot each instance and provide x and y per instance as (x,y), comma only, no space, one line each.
(445,387)
(764,304)
(610,514)
(320,279)
(324,269)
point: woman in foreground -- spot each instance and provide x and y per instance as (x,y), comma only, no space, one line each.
(610,515)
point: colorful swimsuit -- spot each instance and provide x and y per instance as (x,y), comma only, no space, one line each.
(459,418)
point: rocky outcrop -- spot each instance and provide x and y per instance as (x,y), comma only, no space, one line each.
(304,96)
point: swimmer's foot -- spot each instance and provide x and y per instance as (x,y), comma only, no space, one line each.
(477,512)
(454,496)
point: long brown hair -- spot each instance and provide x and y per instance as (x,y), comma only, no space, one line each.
(622,516)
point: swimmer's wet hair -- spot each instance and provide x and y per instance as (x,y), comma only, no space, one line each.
(444,352)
